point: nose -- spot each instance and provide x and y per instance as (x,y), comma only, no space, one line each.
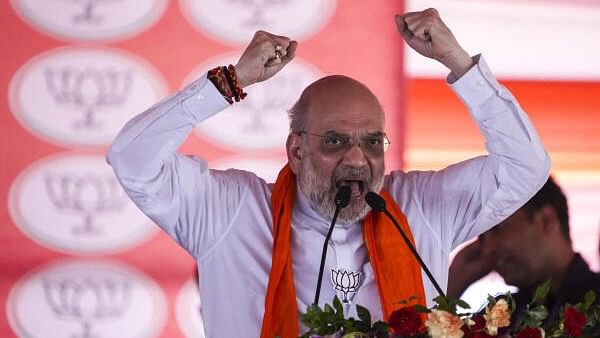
(355,156)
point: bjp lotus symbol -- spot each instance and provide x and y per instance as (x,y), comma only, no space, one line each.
(87,301)
(89,90)
(257,9)
(346,282)
(88,195)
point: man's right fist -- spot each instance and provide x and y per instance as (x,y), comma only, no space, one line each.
(266,55)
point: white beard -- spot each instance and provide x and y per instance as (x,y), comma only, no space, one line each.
(321,194)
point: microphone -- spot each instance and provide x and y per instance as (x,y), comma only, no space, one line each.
(342,198)
(377,203)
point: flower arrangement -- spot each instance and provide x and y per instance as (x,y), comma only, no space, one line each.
(444,321)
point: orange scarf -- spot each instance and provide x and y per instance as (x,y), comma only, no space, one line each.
(397,272)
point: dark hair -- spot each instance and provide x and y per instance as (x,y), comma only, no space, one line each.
(551,194)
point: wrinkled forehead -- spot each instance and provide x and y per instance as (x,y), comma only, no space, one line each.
(343,104)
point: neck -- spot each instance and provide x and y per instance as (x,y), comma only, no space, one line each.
(563,260)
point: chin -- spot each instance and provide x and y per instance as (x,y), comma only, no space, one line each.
(356,211)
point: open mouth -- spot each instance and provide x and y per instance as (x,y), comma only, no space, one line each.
(356,186)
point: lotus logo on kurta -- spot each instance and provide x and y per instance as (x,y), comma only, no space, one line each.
(346,282)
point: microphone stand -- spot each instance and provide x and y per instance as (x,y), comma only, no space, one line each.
(377,203)
(342,198)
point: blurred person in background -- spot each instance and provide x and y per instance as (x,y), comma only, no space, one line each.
(528,248)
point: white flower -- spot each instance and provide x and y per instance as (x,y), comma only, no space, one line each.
(442,324)
(496,316)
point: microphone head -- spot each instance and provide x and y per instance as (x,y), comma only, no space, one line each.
(342,198)
(375,201)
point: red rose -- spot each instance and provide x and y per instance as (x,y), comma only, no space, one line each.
(405,321)
(529,332)
(574,321)
(479,323)
(477,330)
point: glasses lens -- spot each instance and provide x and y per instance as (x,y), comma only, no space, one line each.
(373,144)
(334,142)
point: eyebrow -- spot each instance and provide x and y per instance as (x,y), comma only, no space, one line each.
(335,132)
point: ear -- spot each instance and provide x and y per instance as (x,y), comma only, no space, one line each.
(293,147)
(548,220)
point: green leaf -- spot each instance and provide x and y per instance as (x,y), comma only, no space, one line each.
(364,314)
(534,317)
(381,330)
(421,308)
(338,305)
(541,292)
(491,300)
(441,301)
(445,305)
(588,300)
(463,304)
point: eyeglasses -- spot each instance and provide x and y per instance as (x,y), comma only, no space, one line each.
(373,144)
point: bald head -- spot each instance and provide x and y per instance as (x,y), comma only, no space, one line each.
(329,94)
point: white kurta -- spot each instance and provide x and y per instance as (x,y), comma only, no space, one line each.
(223,218)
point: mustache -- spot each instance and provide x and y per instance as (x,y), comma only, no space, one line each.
(348,172)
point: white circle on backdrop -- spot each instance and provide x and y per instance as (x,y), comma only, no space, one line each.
(265,168)
(236,21)
(91,19)
(260,121)
(73,203)
(82,298)
(188,310)
(75,96)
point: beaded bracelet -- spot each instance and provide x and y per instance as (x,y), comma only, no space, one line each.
(231,77)
(225,80)
(232,85)
(216,76)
